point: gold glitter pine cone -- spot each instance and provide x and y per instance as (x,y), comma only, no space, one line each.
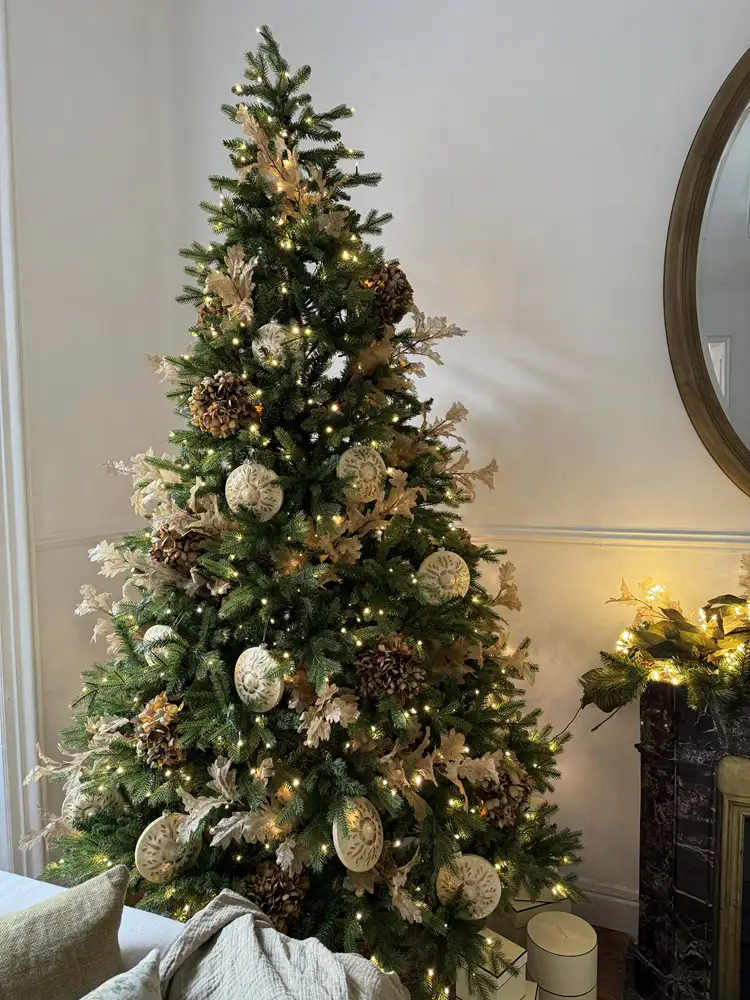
(277,894)
(220,405)
(390,670)
(156,739)
(504,801)
(393,296)
(179,551)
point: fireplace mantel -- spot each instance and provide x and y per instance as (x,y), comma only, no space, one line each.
(684,951)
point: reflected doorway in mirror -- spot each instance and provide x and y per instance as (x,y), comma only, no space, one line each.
(718,350)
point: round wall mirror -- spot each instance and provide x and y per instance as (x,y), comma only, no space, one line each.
(707,278)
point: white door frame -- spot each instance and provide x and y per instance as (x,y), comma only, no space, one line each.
(19,704)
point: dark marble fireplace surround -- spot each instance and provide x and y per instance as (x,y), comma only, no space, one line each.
(676,955)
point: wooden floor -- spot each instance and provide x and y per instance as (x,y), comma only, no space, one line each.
(613,948)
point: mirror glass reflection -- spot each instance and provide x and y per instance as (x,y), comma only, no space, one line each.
(723,280)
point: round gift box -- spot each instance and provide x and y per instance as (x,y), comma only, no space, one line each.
(562,956)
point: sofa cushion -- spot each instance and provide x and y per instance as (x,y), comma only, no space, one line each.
(139,983)
(64,946)
(140,931)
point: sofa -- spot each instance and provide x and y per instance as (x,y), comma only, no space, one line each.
(140,932)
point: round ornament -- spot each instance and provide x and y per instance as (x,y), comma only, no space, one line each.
(478,883)
(255,488)
(273,342)
(83,803)
(443,575)
(359,848)
(366,469)
(257,680)
(159,855)
(157,633)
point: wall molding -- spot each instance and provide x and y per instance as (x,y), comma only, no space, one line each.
(567,534)
(79,537)
(613,906)
(574,534)
(20,710)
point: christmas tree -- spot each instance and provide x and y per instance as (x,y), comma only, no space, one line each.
(310,697)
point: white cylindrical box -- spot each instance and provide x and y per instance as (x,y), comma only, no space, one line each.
(562,956)
(546,995)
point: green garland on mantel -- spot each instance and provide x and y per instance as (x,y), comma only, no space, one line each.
(707,652)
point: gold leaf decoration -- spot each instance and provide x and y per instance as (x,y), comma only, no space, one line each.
(507,595)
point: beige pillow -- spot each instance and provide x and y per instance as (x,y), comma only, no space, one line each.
(65,946)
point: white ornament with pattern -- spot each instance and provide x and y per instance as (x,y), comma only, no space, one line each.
(273,343)
(443,575)
(159,855)
(366,469)
(257,679)
(160,634)
(255,488)
(84,803)
(360,848)
(477,881)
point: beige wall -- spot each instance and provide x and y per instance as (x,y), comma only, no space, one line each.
(530,153)
(91,89)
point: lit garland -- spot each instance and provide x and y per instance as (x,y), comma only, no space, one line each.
(708,651)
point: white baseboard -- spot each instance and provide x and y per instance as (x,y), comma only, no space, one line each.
(612,906)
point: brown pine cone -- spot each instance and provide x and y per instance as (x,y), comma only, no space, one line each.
(220,406)
(210,313)
(277,894)
(391,669)
(179,551)
(392,294)
(504,801)
(156,739)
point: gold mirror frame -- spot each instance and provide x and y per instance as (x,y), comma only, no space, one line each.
(686,350)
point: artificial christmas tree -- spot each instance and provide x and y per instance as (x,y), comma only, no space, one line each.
(309,694)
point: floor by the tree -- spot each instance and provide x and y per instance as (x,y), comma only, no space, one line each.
(613,947)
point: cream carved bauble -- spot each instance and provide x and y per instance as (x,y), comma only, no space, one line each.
(366,469)
(477,881)
(443,575)
(157,633)
(273,343)
(255,488)
(159,855)
(83,803)
(360,848)
(257,679)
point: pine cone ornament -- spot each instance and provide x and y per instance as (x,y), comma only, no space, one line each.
(507,798)
(210,313)
(277,894)
(179,551)
(393,295)
(391,669)
(220,405)
(156,739)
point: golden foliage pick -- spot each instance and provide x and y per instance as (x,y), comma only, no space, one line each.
(235,287)
(450,661)
(507,595)
(360,882)
(445,427)
(464,479)
(403,901)
(333,705)
(302,694)
(405,447)
(288,561)
(377,353)
(426,332)
(298,188)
